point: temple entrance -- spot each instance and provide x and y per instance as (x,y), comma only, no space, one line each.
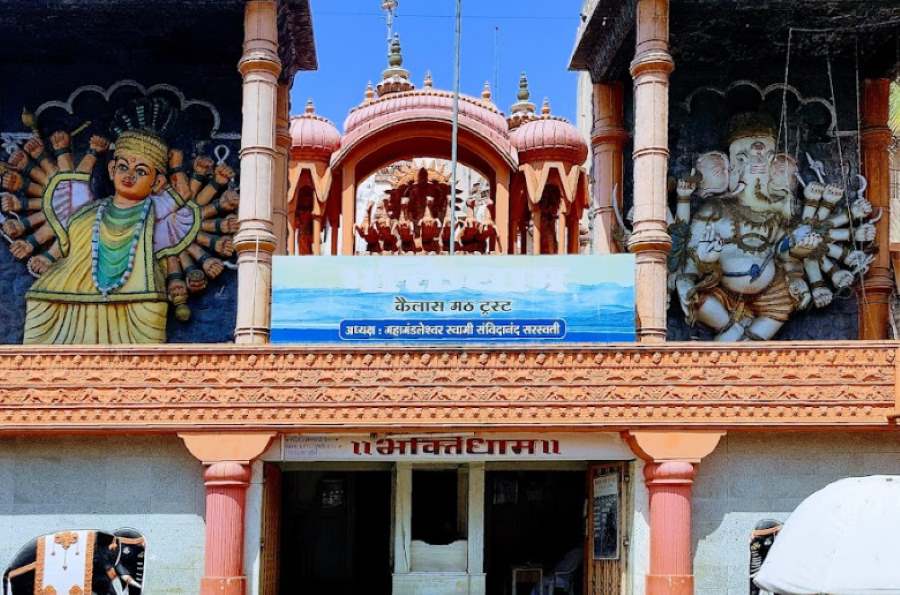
(534,531)
(335,532)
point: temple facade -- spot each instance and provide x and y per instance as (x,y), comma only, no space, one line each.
(162,431)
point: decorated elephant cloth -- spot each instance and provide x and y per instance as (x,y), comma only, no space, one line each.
(81,562)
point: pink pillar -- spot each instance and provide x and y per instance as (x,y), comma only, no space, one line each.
(670,484)
(226,490)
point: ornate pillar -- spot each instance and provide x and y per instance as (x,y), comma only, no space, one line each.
(669,484)
(255,241)
(650,241)
(227,478)
(283,149)
(226,491)
(348,209)
(874,308)
(501,208)
(607,141)
(671,460)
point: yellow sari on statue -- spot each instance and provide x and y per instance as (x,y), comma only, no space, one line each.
(99,242)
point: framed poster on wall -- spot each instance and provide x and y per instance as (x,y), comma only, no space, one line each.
(606,516)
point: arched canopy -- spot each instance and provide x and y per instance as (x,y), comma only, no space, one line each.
(419,123)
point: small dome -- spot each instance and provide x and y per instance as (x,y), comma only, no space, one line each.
(314,136)
(548,137)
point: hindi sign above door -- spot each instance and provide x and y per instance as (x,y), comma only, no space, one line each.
(415,300)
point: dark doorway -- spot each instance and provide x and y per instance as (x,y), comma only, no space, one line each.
(336,529)
(534,520)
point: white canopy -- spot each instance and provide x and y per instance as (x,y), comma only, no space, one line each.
(842,540)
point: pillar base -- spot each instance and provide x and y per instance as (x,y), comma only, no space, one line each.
(670,584)
(223,585)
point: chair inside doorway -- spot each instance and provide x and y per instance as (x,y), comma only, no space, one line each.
(534,532)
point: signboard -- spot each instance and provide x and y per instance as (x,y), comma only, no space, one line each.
(416,300)
(606,516)
(451,447)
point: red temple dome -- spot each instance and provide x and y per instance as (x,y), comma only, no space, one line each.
(549,138)
(314,136)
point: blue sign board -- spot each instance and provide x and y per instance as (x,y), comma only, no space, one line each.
(417,300)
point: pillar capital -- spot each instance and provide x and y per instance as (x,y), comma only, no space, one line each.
(660,446)
(227,473)
(226,447)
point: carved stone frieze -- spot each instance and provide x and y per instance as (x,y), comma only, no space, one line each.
(172,388)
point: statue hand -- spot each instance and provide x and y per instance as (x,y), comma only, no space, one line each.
(12,181)
(34,147)
(224,174)
(805,245)
(39,264)
(709,249)
(799,290)
(20,249)
(842,278)
(213,267)
(203,165)
(225,247)
(859,261)
(176,159)
(230,224)
(229,201)
(822,296)
(99,144)
(865,233)
(13,228)
(813,191)
(832,194)
(60,140)
(10,203)
(177,291)
(18,159)
(685,188)
(860,208)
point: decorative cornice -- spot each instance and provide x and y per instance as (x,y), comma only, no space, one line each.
(178,388)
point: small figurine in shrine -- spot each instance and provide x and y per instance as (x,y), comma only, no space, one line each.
(108,267)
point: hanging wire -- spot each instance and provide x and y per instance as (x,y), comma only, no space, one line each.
(784,124)
(837,137)
(859,155)
(454,135)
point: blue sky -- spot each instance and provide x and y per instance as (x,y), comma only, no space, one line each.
(534,35)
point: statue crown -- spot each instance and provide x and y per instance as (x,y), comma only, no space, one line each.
(750,124)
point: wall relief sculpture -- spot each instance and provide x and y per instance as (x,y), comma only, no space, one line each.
(763,241)
(79,563)
(109,262)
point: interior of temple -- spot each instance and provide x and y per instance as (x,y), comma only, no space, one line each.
(336,532)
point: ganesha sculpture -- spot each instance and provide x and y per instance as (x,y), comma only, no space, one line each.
(752,252)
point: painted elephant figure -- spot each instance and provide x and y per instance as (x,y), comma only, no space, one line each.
(83,562)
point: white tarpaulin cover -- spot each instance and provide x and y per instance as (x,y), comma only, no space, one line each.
(842,540)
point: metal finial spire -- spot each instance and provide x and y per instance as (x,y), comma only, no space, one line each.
(429,82)
(522,110)
(310,106)
(395,57)
(486,91)
(389,6)
(524,94)
(545,109)
(395,78)
(370,92)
